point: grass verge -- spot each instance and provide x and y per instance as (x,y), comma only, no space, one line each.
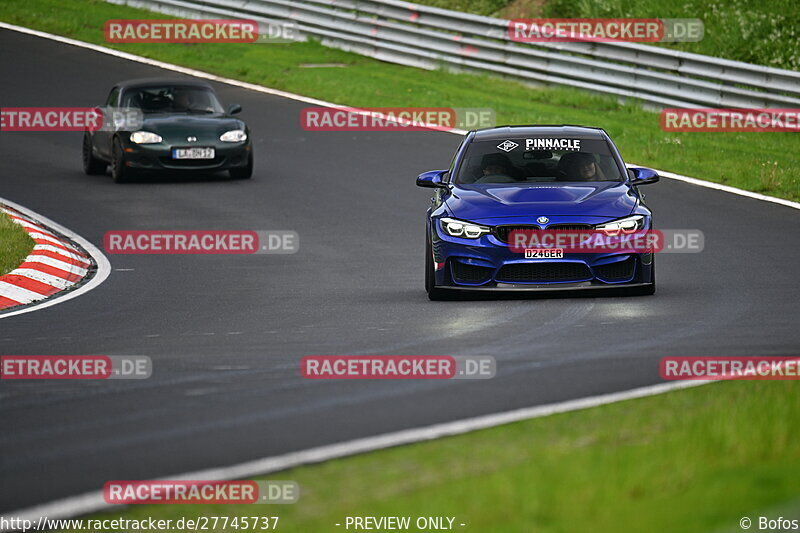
(694,460)
(15,244)
(763,162)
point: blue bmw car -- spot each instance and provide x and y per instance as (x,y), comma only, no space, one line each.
(515,178)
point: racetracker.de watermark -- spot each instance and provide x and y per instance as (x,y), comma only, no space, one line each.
(533,243)
(396,118)
(633,30)
(725,368)
(50,119)
(75,367)
(200,492)
(186,31)
(201,242)
(731,119)
(398,367)
(69,119)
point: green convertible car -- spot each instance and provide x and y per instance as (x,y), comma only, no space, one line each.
(181,126)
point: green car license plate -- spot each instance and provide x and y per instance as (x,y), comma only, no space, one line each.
(193,153)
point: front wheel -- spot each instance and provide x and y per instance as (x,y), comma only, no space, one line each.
(119,171)
(91,165)
(434,293)
(648,289)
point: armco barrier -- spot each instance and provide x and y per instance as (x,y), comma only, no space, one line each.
(430,38)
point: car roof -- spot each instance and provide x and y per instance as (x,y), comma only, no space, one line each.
(160,82)
(550,130)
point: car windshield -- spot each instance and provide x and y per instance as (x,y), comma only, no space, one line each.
(538,159)
(172,99)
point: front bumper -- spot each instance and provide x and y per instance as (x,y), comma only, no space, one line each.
(488,263)
(159,156)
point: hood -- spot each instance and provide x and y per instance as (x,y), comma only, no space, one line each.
(601,199)
(200,126)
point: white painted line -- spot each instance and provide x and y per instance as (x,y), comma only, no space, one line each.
(67,267)
(43,277)
(323,103)
(727,188)
(93,501)
(103,266)
(165,66)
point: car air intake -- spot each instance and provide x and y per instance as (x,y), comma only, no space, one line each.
(544,272)
(466,273)
(619,271)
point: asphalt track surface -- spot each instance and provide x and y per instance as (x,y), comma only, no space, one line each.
(226,333)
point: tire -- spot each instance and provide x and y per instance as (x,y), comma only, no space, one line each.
(119,172)
(91,165)
(648,289)
(434,293)
(243,173)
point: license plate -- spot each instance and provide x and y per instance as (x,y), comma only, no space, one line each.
(544,253)
(193,153)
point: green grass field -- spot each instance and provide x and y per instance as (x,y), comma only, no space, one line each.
(695,460)
(753,31)
(763,162)
(15,244)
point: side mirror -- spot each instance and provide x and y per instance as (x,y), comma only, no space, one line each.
(234,108)
(642,176)
(432,178)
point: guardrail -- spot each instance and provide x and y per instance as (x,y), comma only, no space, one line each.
(431,38)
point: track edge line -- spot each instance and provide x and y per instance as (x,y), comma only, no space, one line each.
(94,501)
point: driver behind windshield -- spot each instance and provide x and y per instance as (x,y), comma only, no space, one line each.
(580,166)
(495,169)
(192,100)
(183,100)
(492,170)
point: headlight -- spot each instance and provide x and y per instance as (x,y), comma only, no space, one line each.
(233,136)
(145,137)
(460,228)
(624,225)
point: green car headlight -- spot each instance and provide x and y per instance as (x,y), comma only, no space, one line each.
(233,136)
(145,137)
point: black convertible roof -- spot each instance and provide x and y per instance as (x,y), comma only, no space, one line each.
(549,130)
(156,82)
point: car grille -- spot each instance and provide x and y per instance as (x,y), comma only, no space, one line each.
(502,233)
(619,271)
(190,163)
(570,227)
(470,273)
(544,272)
